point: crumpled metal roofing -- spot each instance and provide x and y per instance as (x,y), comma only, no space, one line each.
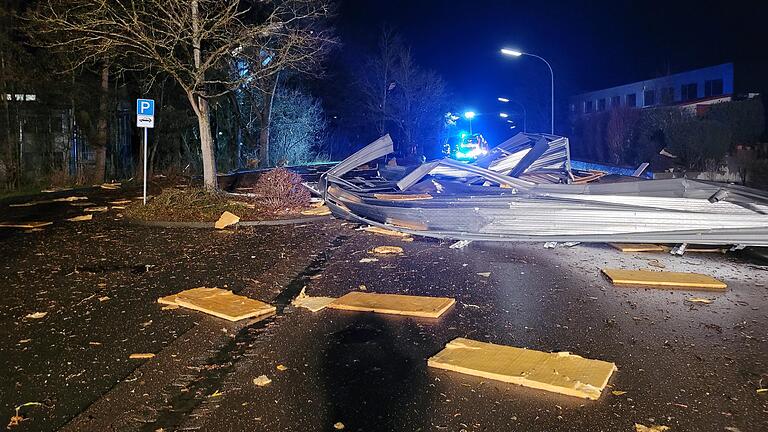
(454,200)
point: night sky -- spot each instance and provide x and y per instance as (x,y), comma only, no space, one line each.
(590,44)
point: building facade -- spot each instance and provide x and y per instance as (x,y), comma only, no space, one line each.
(691,90)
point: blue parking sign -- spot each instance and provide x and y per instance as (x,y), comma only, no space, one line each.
(145,113)
(145,107)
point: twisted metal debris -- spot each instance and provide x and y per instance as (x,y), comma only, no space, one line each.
(525,190)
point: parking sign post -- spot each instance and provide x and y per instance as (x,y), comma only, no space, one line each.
(145,118)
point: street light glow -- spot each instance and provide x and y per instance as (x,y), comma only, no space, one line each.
(503,115)
(469,115)
(511,52)
(501,99)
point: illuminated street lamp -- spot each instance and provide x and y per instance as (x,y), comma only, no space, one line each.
(515,53)
(503,115)
(469,115)
(525,114)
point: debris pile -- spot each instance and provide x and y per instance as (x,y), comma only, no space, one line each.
(526,190)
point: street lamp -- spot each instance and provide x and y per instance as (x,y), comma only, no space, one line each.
(515,53)
(503,115)
(525,114)
(469,115)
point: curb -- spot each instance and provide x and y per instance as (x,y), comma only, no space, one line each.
(167,224)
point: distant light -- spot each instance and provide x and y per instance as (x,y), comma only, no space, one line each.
(510,52)
(512,127)
(501,99)
(510,121)
(503,115)
(469,115)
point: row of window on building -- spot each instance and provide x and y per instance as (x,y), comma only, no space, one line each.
(666,96)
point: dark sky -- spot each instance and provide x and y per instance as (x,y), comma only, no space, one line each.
(590,44)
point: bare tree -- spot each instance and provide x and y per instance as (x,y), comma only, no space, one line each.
(297,45)
(193,41)
(419,108)
(401,98)
(377,81)
(298,127)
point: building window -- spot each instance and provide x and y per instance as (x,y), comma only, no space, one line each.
(631,100)
(649,98)
(588,106)
(601,104)
(713,87)
(688,91)
(667,95)
(615,101)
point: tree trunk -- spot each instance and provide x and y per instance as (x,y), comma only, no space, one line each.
(200,106)
(266,121)
(100,145)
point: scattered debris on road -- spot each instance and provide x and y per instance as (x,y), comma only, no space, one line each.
(81,218)
(387,250)
(262,380)
(663,279)
(218,302)
(338,425)
(384,231)
(368,260)
(699,300)
(560,372)
(36,315)
(25,225)
(56,200)
(317,211)
(141,356)
(110,186)
(17,418)
(226,220)
(314,304)
(654,428)
(100,209)
(394,304)
(638,247)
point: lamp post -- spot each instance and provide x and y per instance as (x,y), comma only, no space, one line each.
(515,53)
(469,115)
(525,114)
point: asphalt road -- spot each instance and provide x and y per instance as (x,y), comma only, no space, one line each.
(684,365)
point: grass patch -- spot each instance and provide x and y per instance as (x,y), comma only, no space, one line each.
(200,205)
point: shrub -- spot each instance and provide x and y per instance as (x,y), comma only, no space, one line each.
(281,190)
